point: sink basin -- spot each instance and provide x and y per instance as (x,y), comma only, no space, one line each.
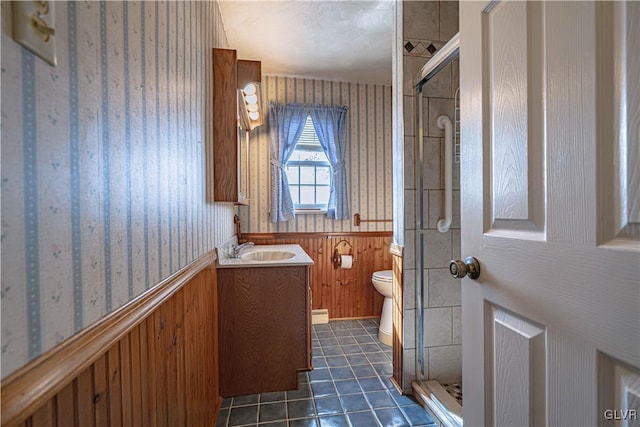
(267,255)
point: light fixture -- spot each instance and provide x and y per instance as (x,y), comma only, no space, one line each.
(248,82)
(250,89)
(249,103)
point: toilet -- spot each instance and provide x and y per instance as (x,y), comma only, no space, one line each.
(383,282)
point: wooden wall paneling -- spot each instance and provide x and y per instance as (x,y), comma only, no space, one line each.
(170,360)
(65,406)
(40,380)
(84,398)
(115,385)
(45,416)
(201,354)
(323,265)
(152,385)
(398,322)
(213,378)
(383,261)
(337,286)
(139,379)
(179,348)
(192,345)
(101,392)
(136,378)
(161,367)
(126,394)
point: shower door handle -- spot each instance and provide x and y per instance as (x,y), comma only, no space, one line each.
(471,267)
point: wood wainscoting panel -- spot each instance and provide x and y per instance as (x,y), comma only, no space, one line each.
(162,370)
(398,319)
(345,293)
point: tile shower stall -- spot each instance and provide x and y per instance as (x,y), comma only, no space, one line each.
(432,333)
(440,302)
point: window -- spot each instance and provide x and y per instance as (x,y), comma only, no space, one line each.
(309,172)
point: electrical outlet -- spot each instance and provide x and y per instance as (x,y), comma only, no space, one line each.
(34,28)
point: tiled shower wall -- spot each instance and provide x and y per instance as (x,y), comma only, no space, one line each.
(427,26)
(103,164)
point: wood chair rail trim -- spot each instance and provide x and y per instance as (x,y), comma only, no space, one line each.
(271,236)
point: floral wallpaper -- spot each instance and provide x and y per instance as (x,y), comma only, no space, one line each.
(104,175)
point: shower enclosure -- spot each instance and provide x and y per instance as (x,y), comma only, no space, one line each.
(438,304)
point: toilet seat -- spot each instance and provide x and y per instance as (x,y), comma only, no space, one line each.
(383,276)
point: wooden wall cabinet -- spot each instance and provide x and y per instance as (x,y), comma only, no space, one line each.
(230,141)
(264,327)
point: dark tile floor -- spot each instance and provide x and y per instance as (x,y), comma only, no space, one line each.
(349,387)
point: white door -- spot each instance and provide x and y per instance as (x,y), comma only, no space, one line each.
(551,209)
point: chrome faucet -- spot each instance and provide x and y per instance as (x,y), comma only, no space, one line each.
(236,249)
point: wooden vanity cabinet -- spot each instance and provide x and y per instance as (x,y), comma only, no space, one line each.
(264,328)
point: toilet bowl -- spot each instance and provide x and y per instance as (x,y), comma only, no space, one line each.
(383,282)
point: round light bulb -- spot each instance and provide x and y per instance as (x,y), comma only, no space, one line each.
(251,99)
(254,115)
(250,89)
(252,108)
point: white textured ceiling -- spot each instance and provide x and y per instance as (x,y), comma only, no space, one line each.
(329,40)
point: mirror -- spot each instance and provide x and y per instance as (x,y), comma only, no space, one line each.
(243,166)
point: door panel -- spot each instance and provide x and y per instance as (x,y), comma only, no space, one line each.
(570,112)
(619,124)
(570,358)
(549,181)
(513,106)
(619,399)
(506,50)
(518,369)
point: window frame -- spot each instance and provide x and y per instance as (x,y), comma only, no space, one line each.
(306,208)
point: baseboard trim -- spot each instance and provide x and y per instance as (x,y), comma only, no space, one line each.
(41,379)
(320,317)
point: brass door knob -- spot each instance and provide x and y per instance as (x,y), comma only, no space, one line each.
(470,267)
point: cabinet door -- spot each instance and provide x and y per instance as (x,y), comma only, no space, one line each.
(225,126)
(263,328)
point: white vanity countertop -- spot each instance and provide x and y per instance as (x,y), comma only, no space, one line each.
(299,257)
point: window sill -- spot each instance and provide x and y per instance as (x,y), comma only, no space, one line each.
(310,211)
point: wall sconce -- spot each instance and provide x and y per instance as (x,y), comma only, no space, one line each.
(249,97)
